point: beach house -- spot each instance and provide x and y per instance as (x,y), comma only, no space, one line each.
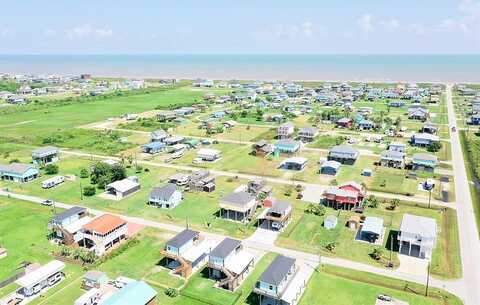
(238,206)
(422,161)
(423,139)
(18,172)
(67,226)
(45,155)
(417,236)
(103,232)
(287,146)
(280,283)
(186,252)
(346,196)
(229,263)
(307,134)
(392,158)
(167,196)
(344,154)
(285,130)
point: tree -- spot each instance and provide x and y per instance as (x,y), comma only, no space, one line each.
(84,173)
(51,169)
(99,170)
(118,172)
(435,146)
(89,191)
(372,202)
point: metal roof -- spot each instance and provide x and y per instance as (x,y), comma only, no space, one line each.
(227,246)
(277,270)
(163,192)
(68,213)
(423,226)
(182,238)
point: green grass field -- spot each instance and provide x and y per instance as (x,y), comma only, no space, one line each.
(333,285)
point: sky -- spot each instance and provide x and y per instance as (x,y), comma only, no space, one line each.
(240,27)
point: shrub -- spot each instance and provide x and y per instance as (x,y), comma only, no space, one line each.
(84,173)
(89,191)
(377,253)
(51,169)
(434,147)
(316,209)
(171,292)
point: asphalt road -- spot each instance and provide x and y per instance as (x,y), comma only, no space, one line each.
(469,238)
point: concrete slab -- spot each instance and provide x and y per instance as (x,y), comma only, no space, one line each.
(412,265)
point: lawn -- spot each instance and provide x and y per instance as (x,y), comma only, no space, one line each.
(199,209)
(333,285)
(306,233)
(199,287)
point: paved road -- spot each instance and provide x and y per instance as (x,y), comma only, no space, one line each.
(469,238)
(451,286)
(320,187)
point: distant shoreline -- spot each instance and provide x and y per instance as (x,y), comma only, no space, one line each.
(308,68)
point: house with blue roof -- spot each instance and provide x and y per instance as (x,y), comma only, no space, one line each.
(154,147)
(134,293)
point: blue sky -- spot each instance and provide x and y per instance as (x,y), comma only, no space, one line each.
(241,26)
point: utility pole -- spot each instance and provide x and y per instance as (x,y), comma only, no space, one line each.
(81,191)
(428,279)
(430,197)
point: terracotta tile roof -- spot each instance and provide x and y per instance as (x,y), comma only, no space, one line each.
(104,224)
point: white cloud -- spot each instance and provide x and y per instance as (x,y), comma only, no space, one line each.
(6,33)
(390,24)
(365,23)
(88,31)
(304,30)
(50,33)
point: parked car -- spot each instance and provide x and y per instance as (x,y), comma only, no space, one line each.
(384,297)
(47,202)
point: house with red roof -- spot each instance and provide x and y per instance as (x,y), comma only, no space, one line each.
(104,232)
(346,196)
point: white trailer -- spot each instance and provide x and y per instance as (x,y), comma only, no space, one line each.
(45,276)
(54,181)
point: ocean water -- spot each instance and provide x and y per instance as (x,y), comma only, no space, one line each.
(418,68)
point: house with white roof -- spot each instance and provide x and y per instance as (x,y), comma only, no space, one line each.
(122,188)
(207,154)
(41,278)
(417,236)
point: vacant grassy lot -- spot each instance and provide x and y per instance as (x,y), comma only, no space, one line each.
(333,285)
(44,121)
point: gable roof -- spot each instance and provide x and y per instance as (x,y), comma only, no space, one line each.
(68,213)
(17,168)
(343,149)
(104,224)
(182,238)
(123,185)
(44,151)
(278,270)
(238,198)
(163,192)
(225,247)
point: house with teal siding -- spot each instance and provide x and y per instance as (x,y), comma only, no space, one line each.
(18,172)
(287,146)
(278,283)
